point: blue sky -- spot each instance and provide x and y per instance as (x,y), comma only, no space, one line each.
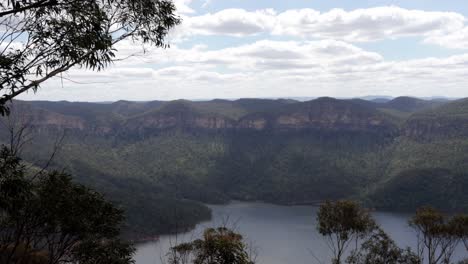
(310,48)
(324,5)
(405,48)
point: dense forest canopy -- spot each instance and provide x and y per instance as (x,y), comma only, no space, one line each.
(47,218)
(154,156)
(159,170)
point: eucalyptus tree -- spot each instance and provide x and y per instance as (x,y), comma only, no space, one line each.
(40,39)
(438,235)
(379,248)
(217,246)
(342,223)
(50,219)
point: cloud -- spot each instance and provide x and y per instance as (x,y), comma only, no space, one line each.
(206,3)
(360,25)
(263,68)
(183,6)
(455,40)
(300,52)
(231,22)
(258,55)
(369,24)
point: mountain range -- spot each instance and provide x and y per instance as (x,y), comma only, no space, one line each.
(161,160)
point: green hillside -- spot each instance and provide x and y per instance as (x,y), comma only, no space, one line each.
(157,157)
(416,188)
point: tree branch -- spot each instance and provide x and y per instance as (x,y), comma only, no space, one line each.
(41,3)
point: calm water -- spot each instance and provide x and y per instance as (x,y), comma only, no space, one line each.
(280,234)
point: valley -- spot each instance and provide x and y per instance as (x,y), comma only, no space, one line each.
(162,160)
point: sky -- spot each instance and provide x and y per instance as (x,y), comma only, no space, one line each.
(282,49)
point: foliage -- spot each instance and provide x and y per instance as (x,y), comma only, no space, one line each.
(459,223)
(218,246)
(150,210)
(414,188)
(379,248)
(215,167)
(50,216)
(341,223)
(438,236)
(43,38)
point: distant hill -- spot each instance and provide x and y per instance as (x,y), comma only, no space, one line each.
(394,154)
(321,113)
(377,98)
(411,104)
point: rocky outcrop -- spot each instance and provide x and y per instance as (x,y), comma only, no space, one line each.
(433,127)
(445,122)
(320,114)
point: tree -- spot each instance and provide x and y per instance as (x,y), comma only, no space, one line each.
(381,249)
(438,236)
(40,39)
(50,219)
(218,246)
(343,222)
(459,224)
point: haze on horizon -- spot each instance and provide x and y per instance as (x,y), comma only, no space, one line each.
(274,49)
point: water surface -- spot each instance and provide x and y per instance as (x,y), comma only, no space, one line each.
(280,234)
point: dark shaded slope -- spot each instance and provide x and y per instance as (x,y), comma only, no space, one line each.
(440,188)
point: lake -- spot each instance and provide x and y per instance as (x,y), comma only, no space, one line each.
(280,234)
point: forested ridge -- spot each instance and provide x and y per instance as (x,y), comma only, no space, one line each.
(153,157)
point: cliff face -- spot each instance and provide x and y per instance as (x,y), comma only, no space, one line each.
(333,114)
(436,120)
(320,114)
(42,120)
(429,128)
(177,115)
(166,121)
(445,122)
(323,114)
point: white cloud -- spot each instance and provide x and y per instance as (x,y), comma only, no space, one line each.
(183,6)
(360,25)
(321,58)
(366,24)
(455,40)
(232,22)
(260,55)
(264,69)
